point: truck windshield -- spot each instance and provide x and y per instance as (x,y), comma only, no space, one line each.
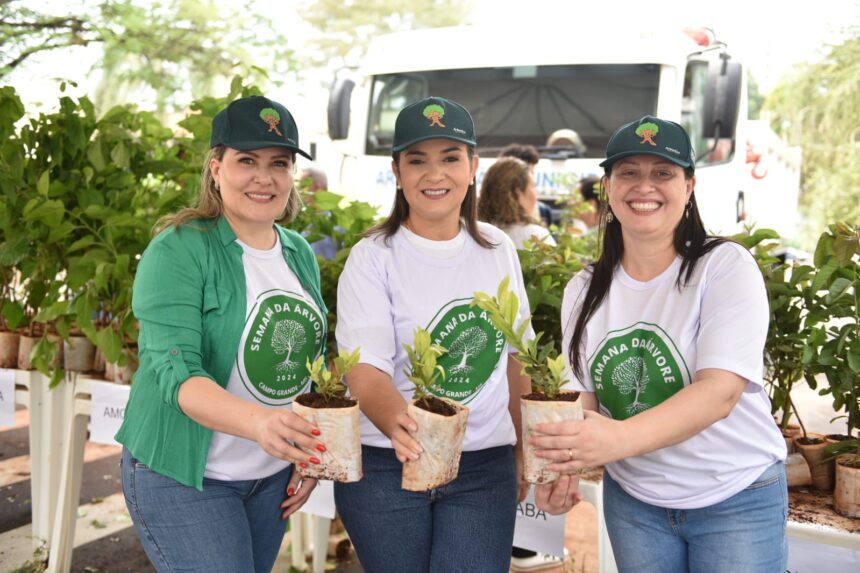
(564,111)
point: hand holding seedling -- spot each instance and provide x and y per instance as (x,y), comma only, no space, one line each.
(423,372)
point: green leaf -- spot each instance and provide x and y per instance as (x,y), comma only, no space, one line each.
(838,287)
(81,243)
(824,273)
(326,200)
(110,343)
(49,212)
(120,155)
(13,251)
(13,314)
(96,156)
(854,356)
(61,231)
(52,312)
(44,183)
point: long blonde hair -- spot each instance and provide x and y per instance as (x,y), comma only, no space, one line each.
(209,205)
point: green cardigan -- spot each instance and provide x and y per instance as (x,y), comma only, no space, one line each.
(189,296)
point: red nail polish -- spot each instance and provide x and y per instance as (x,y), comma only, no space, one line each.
(315,460)
(320,448)
(303,465)
(315,432)
(291,492)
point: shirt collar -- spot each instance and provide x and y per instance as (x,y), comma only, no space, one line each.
(228,236)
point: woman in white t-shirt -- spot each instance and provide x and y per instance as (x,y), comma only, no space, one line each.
(665,334)
(421,267)
(509,201)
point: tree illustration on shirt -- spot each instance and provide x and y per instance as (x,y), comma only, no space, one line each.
(470,343)
(632,376)
(289,336)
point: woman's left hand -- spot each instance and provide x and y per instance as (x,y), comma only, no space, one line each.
(574,445)
(298,490)
(559,496)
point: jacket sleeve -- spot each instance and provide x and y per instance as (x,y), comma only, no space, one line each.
(169,300)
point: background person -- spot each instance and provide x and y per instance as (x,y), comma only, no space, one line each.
(531,156)
(326,247)
(665,334)
(588,220)
(421,267)
(208,434)
(508,200)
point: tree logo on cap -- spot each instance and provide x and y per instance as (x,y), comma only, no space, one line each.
(271,117)
(646,131)
(434,113)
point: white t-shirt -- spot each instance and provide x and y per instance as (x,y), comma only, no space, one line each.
(522,232)
(386,290)
(646,342)
(283,329)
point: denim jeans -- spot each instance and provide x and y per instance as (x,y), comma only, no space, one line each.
(230,526)
(467,525)
(743,534)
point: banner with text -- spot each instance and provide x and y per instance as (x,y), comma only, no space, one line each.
(7,397)
(107,411)
(538,530)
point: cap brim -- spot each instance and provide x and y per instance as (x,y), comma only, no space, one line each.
(252,145)
(412,142)
(610,160)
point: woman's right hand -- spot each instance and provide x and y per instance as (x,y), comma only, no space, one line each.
(405,446)
(278,429)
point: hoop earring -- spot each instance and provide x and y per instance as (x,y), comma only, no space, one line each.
(609,217)
(687,210)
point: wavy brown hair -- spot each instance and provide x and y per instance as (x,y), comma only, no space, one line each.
(499,201)
(209,205)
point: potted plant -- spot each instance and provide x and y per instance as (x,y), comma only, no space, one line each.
(788,335)
(544,366)
(11,317)
(833,311)
(336,416)
(441,422)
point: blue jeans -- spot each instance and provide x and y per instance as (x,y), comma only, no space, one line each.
(743,534)
(467,525)
(230,526)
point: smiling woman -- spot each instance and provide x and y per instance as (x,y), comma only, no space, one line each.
(665,336)
(230,313)
(418,270)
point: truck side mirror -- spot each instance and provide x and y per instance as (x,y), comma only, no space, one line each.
(722,98)
(338,108)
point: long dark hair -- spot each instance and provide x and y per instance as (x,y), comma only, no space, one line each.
(400,211)
(691,241)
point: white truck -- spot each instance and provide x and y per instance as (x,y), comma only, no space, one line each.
(589,81)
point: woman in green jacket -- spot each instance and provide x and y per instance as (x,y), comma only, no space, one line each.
(230,311)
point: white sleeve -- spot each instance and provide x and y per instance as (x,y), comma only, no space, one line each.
(571,303)
(364,316)
(734,317)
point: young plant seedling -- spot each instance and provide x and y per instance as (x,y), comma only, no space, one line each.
(329,383)
(541,363)
(423,369)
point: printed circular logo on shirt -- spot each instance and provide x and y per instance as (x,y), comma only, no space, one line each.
(635,369)
(281,334)
(474,348)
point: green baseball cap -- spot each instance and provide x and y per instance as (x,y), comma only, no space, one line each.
(651,136)
(430,118)
(255,122)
